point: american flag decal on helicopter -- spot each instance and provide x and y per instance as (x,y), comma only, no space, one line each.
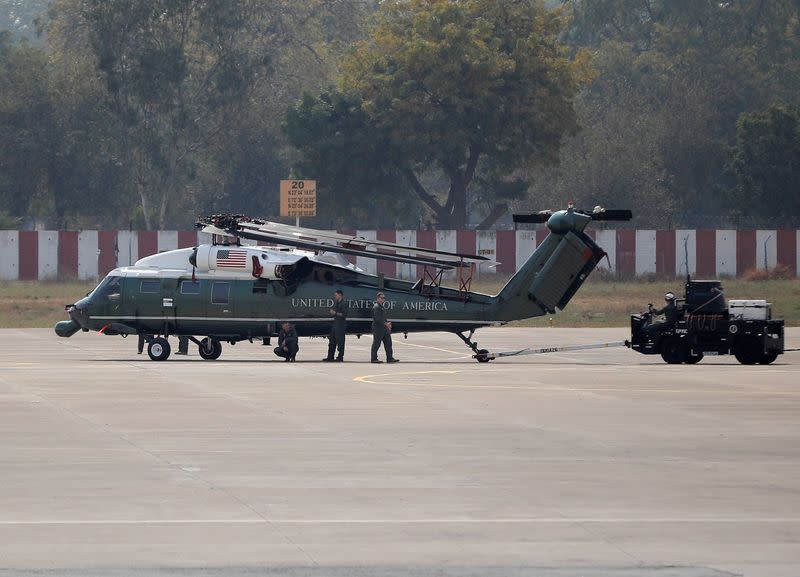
(231,258)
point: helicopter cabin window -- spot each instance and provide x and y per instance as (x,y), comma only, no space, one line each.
(220,293)
(109,286)
(189,287)
(150,286)
(260,286)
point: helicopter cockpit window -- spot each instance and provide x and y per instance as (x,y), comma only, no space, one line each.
(150,286)
(189,287)
(109,286)
(220,293)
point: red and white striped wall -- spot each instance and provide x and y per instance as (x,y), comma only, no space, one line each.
(88,254)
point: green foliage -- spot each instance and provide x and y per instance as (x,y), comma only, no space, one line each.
(9,222)
(146,112)
(174,70)
(766,160)
(673,77)
(348,157)
(465,88)
(18,17)
(55,157)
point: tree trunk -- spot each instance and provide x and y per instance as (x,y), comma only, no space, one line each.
(452,215)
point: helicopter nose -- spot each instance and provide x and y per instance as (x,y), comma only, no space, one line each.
(78,313)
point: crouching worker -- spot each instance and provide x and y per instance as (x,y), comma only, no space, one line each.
(287,342)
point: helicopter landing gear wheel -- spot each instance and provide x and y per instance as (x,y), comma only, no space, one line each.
(482,356)
(674,351)
(210,349)
(158,349)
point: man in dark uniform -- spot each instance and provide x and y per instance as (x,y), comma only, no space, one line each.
(381,331)
(336,337)
(287,342)
(670,312)
(183,345)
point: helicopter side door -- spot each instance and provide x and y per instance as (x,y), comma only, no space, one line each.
(218,304)
(143,296)
(188,303)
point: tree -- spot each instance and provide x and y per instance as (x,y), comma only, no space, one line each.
(57,160)
(358,186)
(175,70)
(250,155)
(186,78)
(19,16)
(673,76)
(466,88)
(767,161)
(23,104)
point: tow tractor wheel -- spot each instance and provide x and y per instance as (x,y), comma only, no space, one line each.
(694,359)
(158,349)
(767,358)
(482,356)
(210,349)
(748,350)
(674,351)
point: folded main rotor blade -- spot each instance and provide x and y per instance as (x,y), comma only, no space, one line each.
(611,214)
(324,247)
(321,236)
(319,240)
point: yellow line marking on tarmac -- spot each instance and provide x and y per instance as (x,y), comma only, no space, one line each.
(366,378)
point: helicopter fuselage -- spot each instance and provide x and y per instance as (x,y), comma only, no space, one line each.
(235,306)
(229,292)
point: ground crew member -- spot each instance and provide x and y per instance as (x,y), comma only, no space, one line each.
(287,342)
(336,337)
(381,331)
(670,312)
(183,345)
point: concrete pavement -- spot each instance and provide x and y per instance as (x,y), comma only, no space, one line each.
(588,463)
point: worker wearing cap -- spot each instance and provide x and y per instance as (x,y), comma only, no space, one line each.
(381,331)
(338,329)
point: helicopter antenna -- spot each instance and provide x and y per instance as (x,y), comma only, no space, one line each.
(686,257)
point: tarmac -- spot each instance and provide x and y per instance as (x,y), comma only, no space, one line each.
(590,463)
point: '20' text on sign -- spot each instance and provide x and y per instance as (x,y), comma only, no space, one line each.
(298,198)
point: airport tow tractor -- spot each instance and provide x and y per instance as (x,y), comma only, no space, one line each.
(707,325)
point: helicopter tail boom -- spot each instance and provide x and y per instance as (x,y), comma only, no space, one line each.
(553,273)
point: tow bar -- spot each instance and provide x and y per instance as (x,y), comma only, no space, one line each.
(531,351)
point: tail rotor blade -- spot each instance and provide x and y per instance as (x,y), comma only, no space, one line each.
(612,214)
(533,218)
